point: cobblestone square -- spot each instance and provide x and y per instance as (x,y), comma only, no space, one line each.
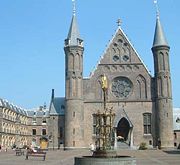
(60,157)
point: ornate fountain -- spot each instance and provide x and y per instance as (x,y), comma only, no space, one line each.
(104,152)
(104,142)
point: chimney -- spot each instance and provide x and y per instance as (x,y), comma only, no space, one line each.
(52,96)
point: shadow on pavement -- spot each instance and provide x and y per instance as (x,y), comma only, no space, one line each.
(172,152)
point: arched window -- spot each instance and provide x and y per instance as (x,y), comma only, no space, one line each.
(141,87)
(71,62)
(161,61)
(77,62)
(160,86)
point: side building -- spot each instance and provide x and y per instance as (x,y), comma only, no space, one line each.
(13,125)
(40,126)
(21,128)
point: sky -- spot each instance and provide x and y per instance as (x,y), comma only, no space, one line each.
(32,34)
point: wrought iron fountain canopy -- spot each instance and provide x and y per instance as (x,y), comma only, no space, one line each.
(104,140)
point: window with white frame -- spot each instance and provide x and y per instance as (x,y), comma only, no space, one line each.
(147,123)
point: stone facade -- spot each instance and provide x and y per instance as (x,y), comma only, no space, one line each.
(142,103)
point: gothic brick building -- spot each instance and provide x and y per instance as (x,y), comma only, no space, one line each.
(142,102)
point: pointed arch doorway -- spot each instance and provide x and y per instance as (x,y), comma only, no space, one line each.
(123,129)
(43,143)
(124,132)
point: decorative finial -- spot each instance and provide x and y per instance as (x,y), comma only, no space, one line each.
(157,8)
(74,7)
(119,22)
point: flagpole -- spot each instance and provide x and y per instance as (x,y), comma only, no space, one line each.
(74,6)
(157,8)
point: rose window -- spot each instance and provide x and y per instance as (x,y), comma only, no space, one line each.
(121,87)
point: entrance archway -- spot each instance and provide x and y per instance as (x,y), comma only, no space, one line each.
(43,143)
(123,129)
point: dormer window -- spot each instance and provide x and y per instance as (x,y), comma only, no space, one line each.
(80,41)
(62,107)
(66,42)
(178,120)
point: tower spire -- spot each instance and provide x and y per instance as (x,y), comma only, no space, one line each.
(159,37)
(73,38)
(74,87)
(162,86)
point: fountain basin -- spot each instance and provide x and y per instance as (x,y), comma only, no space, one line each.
(115,160)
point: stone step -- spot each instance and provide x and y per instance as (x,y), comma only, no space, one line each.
(122,145)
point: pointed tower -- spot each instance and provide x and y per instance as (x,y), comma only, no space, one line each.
(163,93)
(73,84)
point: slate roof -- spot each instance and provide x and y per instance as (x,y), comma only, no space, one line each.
(30,113)
(73,34)
(159,37)
(57,106)
(36,112)
(6,104)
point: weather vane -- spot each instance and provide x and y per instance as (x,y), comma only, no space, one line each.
(74,6)
(157,8)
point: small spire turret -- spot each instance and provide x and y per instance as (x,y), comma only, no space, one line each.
(159,37)
(162,85)
(73,38)
(74,86)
